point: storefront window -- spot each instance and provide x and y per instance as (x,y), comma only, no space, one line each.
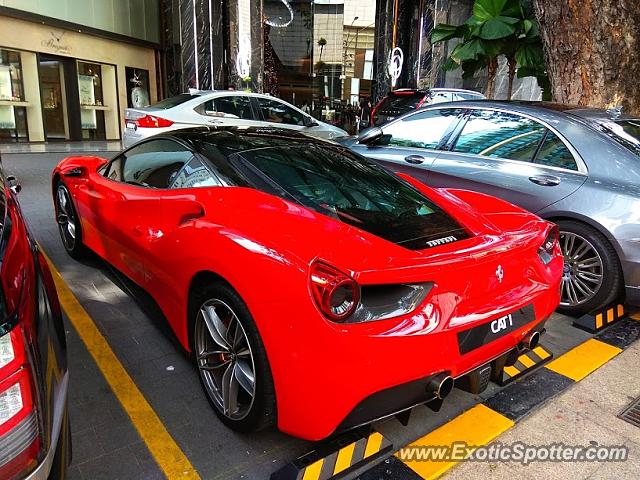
(137,87)
(91,101)
(13,118)
(318,55)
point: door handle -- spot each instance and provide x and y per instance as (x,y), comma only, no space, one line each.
(545,180)
(414,159)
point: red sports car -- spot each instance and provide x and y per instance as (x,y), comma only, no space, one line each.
(313,288)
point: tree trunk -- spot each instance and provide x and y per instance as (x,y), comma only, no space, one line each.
(511,63)
(492,69)
(592,51)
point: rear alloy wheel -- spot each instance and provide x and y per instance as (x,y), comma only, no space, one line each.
(592,276)
(68,222)
(231,361)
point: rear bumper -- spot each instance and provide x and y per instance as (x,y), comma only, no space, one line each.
(43,469)
(408,395)
(330,376)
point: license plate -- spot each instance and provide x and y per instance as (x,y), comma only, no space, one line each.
(130,125)
(480,335)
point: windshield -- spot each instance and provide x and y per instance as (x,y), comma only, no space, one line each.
(173,101)
(355,192)
(401,101)
(625,132)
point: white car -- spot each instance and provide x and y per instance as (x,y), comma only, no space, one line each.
(224,108)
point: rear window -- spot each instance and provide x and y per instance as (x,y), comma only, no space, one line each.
(355,192)
(401,102)
(173,101)
(625,132)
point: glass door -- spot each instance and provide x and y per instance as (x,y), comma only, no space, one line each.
(54,105)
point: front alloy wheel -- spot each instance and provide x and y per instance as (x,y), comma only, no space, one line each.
(225,359)
(66,218)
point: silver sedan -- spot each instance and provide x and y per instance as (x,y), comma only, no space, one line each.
(577,167)
(224,108)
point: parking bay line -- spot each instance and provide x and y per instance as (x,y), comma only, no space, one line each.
(583,359)
(477,426)
(166,452)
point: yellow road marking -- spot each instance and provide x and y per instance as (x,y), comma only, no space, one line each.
(620,310)
(164,449)
(373,444)
(477,426)
(584,359)
(636,316)
(511,371)
(344,458)
(526,361)
(541,352)
(312,472)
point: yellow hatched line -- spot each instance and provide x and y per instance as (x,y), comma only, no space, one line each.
(635,316)
(477,426)
(583,359)
(170,458)
(541,352)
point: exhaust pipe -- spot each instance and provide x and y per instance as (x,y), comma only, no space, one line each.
(440,385)
(531,341)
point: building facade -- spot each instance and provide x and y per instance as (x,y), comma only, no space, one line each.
(69,68)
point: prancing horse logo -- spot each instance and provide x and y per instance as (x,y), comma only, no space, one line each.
(500,273)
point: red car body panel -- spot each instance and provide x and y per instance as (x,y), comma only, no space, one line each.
(263,247)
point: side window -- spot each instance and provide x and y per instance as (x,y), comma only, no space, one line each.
(554,153)
(153,164)
(501,135)
(232,106)
(113,169)
(421,130)
(278,112)
(195,174)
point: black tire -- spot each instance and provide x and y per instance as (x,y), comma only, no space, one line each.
(262,414)
(610,288)
(76,249)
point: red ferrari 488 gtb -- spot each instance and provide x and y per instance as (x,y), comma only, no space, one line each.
(305,278)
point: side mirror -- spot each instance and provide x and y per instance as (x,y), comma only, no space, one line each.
(14,186)
(310,121)
(370,135)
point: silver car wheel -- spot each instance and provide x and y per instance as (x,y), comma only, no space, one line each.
(66,218)
(225,360)
(583,270)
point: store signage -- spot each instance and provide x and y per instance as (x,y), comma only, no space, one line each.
(55,43)
(394,66)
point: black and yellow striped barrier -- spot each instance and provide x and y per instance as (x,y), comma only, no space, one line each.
(525,363)
(596,321)
(337,458)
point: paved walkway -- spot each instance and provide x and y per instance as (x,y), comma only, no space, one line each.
(584,414)
(61,147)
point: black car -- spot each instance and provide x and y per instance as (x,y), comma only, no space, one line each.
(35,442)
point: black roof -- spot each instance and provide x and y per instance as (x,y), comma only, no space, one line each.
(240,138)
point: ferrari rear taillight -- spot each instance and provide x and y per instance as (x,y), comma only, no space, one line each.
(336,293)
(151,121)
(19,432)
(551,245)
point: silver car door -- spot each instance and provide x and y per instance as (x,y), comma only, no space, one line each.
(410,144)
(511,156)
